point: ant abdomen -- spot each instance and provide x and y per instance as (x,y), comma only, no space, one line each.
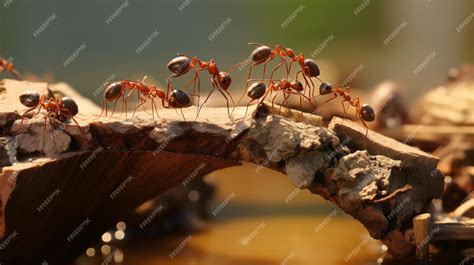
(179,65)
(325,88)
(179,99)
(225,80)
(312,68)
(30,98)
(70,106)
(113,91)
(261,54)
(256,90)
(367,112)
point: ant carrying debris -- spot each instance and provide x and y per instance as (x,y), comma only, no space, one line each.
(63,109)
(6,65)
(365,112)
(220,80)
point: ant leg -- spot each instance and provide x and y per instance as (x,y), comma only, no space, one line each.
(246,109)
(344,107)
(142,102)
(182,113)
(82,132)
(366,128)
(334,96)
(282,61)
(113,110)
(208,96)
(29,110)
(227,102)
(156,107)
(273,100)
(289,69)
(305,80)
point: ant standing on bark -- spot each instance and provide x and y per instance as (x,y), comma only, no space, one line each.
(62,110)
(364,112)
(288,88)
(220,80)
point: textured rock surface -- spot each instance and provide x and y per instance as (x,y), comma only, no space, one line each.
(369,178)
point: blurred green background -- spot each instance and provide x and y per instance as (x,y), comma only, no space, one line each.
(185,26)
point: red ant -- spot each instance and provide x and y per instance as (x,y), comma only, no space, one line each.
(60,109)
(288,88)
(176,99)
(264,54)
(220,80)
(116,90)
(6,65)
(365,112)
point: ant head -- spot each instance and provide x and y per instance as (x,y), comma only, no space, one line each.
(179,65)
(367,113)
(311,68)
(69,106)
(325,88)
(256,90)
(297,85)
(225,80)
(179,99)
(261,54)
(113,91)
(30,98)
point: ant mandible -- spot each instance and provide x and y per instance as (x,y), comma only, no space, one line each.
(365,112)
(6,65)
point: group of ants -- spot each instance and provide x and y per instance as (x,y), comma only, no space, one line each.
(64,109)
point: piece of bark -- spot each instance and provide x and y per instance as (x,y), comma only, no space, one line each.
(56,205)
